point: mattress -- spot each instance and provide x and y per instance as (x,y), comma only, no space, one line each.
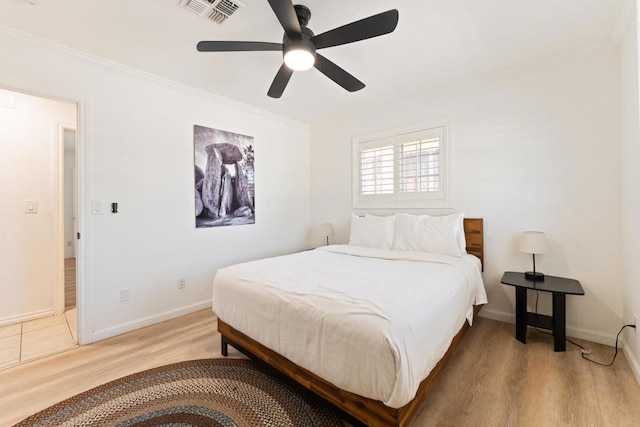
(372,322)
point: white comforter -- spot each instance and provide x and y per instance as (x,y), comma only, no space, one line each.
(370,321)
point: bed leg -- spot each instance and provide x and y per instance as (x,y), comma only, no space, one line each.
(224,346)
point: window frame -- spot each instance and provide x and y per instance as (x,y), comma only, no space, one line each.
(394,136)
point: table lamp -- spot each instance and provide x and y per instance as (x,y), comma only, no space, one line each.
(327,230)
(534,242)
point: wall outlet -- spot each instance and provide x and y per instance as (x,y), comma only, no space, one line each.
(124,295)
(182,283)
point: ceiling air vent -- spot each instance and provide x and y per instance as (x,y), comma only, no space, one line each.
(217,11)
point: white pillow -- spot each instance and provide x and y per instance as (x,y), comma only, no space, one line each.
(436,234)
(372,231)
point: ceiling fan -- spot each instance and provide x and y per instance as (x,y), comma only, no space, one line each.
(299,44)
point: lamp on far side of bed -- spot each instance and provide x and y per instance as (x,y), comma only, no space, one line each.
(534,242)
(327,230)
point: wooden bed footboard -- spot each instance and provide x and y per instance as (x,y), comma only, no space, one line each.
(371,412)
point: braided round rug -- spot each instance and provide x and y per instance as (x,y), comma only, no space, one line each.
(209,392)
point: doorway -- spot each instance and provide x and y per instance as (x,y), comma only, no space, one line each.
(36,318)
(70,213)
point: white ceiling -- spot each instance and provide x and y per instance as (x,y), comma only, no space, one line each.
(436,42)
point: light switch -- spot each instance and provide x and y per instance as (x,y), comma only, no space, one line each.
(97,207)
(30,206)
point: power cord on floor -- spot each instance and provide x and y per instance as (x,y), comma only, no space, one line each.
(582,349)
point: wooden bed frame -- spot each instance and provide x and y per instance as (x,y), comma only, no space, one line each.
(371,412)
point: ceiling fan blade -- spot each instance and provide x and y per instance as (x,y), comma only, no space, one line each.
(229,46)
(280,82)
(373,26)
(286,14)
(337,74)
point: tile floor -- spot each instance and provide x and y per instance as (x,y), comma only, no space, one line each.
(34,339)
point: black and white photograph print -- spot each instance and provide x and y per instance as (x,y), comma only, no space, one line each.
(224,178)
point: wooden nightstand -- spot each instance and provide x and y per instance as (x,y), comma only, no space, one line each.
(559,287)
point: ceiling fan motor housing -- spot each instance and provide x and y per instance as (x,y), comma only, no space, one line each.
(302,40)
(299,41)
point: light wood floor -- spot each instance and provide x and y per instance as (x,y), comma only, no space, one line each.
(69,283)
(492,380)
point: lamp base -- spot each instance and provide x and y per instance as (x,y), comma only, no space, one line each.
(535,276)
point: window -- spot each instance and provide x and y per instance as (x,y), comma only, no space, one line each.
(405,167)
(376,171)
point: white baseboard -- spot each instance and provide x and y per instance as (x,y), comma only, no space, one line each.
(147,321)
(584,334)
(593,336)
(26,317)
(497,315)
(631,358)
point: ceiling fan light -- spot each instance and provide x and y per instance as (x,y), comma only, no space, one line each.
(299,58)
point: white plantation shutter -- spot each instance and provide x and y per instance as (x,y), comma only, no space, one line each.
(419,164)
(405,169)
(376,170)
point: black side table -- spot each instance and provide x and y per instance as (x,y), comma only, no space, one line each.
(559,287)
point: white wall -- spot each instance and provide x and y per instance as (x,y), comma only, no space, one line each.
(29,150)
(135,140)
(535,147)
(630,181)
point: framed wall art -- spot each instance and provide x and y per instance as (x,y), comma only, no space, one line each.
(224,178)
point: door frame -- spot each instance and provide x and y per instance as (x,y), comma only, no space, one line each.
(59,213)
(83,115)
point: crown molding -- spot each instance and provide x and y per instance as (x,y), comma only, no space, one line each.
(145,75)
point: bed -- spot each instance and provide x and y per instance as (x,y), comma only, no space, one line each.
(367,328)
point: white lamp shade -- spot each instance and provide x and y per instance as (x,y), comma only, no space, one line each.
(533,242)
(299,58)
(327,229)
